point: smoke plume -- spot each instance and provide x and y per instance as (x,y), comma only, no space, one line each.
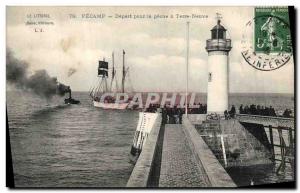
(40,82)
(71,71)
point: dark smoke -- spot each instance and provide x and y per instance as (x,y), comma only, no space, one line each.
(71,71)
(16,70)
(40,82)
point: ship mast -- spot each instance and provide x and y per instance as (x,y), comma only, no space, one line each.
(123,74)
(113,73)
(104,77)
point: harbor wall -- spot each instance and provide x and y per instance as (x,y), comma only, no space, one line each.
(241,147)
(156,164)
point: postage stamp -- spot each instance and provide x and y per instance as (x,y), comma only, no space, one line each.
(272,33)
(267,43)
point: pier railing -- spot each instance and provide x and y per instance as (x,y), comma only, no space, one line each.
(278,124)
(266,120)
(218,44)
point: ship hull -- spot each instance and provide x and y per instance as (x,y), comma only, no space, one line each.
(120,106)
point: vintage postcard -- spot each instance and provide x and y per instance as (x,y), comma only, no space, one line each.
(150,97)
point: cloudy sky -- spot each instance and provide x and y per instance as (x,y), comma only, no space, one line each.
(155,48)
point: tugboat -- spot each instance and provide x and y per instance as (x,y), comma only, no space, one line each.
(70,100)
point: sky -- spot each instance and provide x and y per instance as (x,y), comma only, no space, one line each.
(155,48)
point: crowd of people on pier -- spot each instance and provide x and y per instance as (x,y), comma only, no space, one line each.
(198,109)
(257,110)
(263,111)
(287,113)
(231,113)
(153,108)
(201,109)
(170,115)
(173,115)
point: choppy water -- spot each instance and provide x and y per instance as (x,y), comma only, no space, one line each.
(57,145)
(69,145)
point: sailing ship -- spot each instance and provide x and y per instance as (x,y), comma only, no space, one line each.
(102,86)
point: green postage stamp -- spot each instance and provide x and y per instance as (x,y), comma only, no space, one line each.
(272,32)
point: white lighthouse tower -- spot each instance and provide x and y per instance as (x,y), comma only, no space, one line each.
(218,48)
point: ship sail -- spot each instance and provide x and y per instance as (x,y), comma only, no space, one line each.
(101,87)
(103,69)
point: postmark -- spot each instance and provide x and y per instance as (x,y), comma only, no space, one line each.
(266,42)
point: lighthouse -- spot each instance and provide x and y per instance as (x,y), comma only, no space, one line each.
(218,48)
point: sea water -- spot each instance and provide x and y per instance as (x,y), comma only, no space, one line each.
(58,145)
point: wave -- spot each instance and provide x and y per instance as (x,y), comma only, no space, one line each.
(49,109)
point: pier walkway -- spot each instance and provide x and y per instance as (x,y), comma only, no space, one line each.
(179,166)
(185,160)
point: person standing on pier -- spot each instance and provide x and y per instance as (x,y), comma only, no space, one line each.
(241,109)
(164,115)
(232,111)
(179,113)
